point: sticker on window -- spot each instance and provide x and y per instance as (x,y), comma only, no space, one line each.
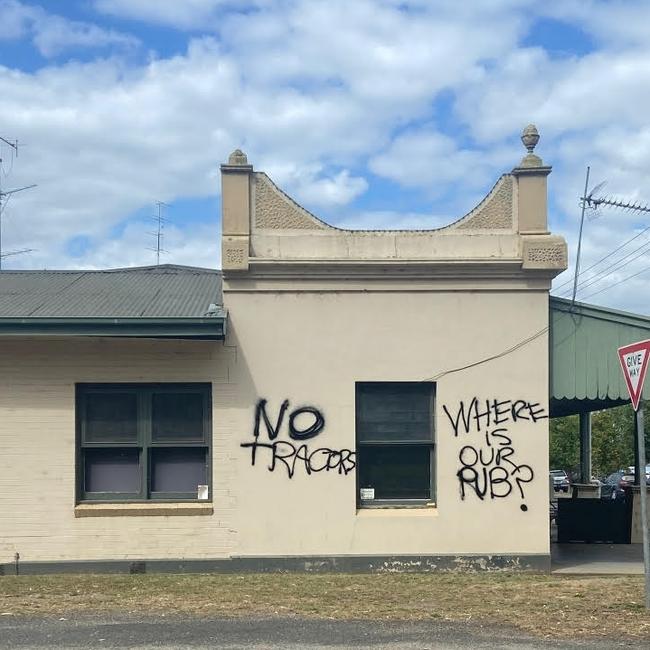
(202,493)
(367,494)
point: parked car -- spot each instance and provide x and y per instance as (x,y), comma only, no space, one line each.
(612,487)
(630,470)
(560,480)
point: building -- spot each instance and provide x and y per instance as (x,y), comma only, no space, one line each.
(357,400)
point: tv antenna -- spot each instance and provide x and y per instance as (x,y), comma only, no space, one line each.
(158,234)
(18,252)
(593,202)
(6,196)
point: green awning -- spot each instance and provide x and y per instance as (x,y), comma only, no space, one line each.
(585,373)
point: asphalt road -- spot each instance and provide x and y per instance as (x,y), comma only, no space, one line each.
(288,633)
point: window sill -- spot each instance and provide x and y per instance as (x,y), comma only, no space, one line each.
(142,509)
(398,511)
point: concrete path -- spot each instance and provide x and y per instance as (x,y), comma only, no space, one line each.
(258,634)
(597,559)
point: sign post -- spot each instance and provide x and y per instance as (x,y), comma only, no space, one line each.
(634,362)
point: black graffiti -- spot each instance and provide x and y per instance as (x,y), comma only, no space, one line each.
(291,456)
(260,412)
(477,417)
(492,475)
(489,469)
(309,432)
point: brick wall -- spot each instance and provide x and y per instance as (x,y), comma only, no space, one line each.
(37,450)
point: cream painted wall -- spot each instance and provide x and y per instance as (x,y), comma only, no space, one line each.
(311,347)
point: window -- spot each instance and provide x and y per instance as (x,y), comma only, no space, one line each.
(143,441)
(395,443)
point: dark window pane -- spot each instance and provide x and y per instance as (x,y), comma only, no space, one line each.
(111,417)
(177,416)
(394,412)
(396,471)
(112,470)
(177,470)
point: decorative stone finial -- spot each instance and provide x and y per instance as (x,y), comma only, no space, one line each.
(237,157)
(530,138)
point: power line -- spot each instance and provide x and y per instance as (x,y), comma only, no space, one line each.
(588,200)
(616,266)
(602,259)
(629,277)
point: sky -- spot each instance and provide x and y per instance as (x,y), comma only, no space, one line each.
(372,114)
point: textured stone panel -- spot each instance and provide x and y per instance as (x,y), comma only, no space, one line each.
(545,255)
(234,253)
(494,212)
(548,254)
(277,211)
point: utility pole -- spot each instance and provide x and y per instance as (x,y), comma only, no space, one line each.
(634,364)
(582,221)
(4,198)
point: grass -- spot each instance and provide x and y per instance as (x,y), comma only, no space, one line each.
(550,606)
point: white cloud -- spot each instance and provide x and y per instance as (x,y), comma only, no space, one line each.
(195,246)
(106,139)
(393,220)
(54,34)
(602,88)
(319,95)
(14,19)
(181,14)
(621,23)
(311,184)
(426,158)
(336,190)
(51,34)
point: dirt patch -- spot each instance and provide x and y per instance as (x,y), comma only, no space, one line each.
(551,606)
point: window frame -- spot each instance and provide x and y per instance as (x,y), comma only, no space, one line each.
(144,442)
(431,444)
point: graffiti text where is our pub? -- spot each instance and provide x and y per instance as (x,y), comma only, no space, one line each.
(489,466)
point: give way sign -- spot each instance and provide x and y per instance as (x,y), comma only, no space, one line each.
(634,362)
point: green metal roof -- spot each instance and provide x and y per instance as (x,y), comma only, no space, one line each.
(166,301)
(585,373)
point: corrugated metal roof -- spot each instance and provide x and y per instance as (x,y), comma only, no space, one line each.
(585,372)
(165,291)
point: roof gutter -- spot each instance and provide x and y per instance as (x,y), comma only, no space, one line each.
(206,329)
